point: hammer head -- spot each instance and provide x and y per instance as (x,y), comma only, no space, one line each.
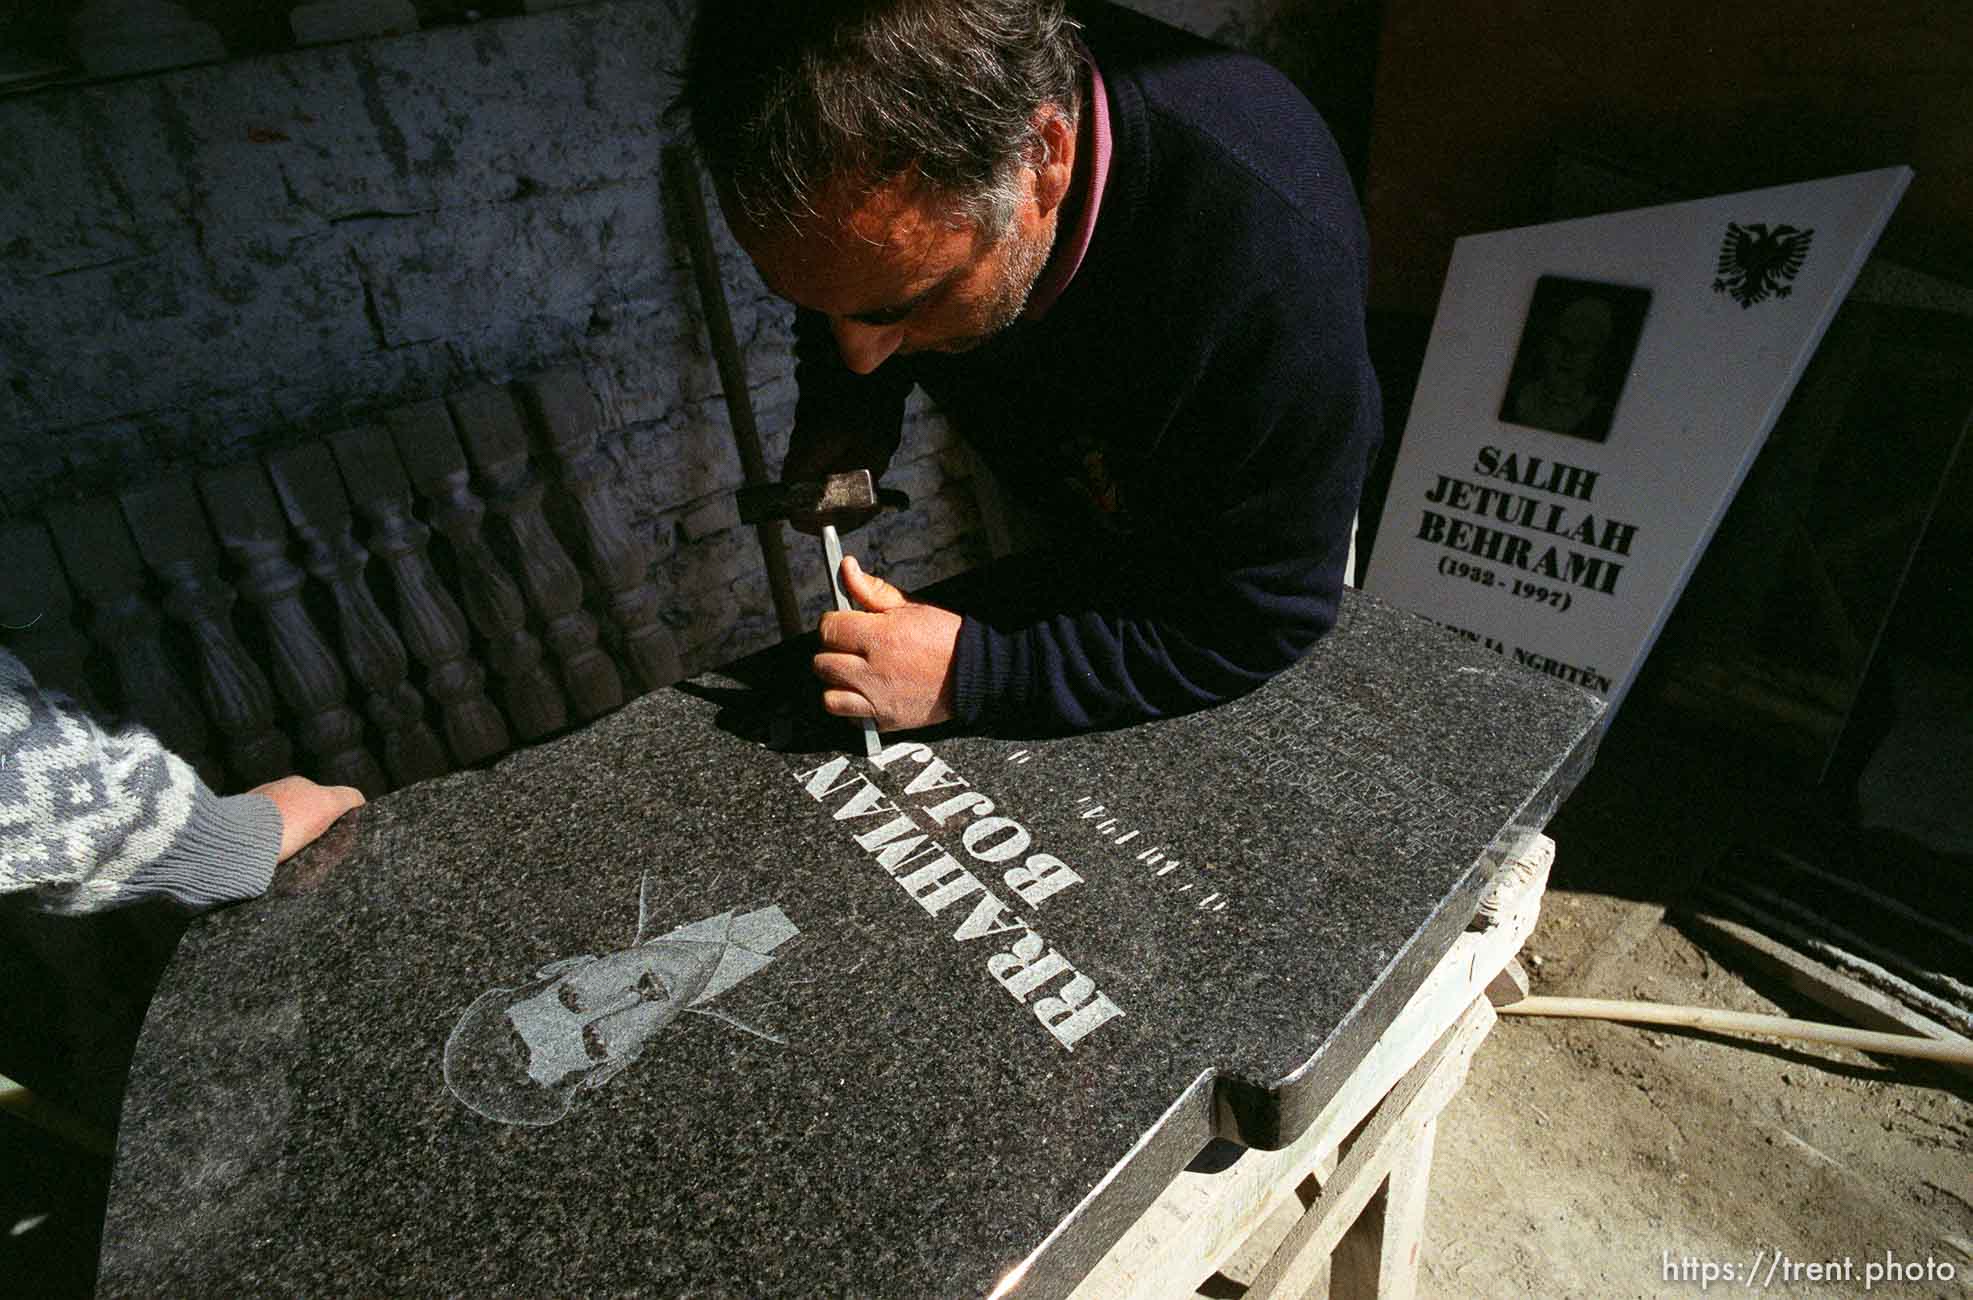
(849,495)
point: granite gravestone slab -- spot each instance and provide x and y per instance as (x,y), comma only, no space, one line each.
(698,1001)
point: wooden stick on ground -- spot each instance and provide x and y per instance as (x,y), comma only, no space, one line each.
(15,1099)
(1742,1022)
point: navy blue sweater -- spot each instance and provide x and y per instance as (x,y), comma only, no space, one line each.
(1197,409)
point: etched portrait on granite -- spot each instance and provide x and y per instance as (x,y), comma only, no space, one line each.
(520,1054)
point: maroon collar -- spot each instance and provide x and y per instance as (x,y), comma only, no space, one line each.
(1095,160)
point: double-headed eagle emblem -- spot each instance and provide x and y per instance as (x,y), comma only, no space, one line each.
(1757,263)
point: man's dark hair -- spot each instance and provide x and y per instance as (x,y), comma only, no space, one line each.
(788,97)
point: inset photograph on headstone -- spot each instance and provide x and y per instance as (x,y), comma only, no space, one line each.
(1574,355)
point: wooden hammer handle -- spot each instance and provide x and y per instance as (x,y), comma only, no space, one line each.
(682,178)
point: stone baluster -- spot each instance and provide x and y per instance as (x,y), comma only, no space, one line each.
(496,442)
(434,629)
(172,536)
(35,609)
(313,498)
(430,451)
(248,522)
(104,566)
(566,412)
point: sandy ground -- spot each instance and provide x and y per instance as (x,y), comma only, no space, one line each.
(1593,1159)
(1586,1158)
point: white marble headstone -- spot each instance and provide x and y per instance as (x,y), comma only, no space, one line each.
(1593,393)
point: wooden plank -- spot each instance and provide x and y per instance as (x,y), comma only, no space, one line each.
(1355,1263)
(1822,984)
(1404,1224)
(1887,965)
(1202,1219)
(1511,985)
(1399,1123)
(1517,885)
(1246,1263)
(1393,1271)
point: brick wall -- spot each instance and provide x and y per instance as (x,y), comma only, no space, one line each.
(203,263)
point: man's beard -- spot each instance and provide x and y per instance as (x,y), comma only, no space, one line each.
(1011,292)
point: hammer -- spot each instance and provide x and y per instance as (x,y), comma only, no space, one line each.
(849,496)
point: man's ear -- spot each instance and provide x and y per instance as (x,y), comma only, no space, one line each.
(1054,157)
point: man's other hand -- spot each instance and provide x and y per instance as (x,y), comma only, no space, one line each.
(889,659)
(306,809)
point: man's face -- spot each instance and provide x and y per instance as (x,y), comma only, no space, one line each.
(895,274)
(1574,347)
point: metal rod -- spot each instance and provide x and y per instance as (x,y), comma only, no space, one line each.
(832,555)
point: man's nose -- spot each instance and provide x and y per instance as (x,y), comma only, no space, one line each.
(865,347)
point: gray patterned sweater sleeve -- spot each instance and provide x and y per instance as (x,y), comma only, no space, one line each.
(91,819)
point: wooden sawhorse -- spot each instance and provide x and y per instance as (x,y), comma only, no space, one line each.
(1340,1212)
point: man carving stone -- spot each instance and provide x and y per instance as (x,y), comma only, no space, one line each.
(1128,265)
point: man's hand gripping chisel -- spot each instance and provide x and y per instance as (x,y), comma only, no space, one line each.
(849,498)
